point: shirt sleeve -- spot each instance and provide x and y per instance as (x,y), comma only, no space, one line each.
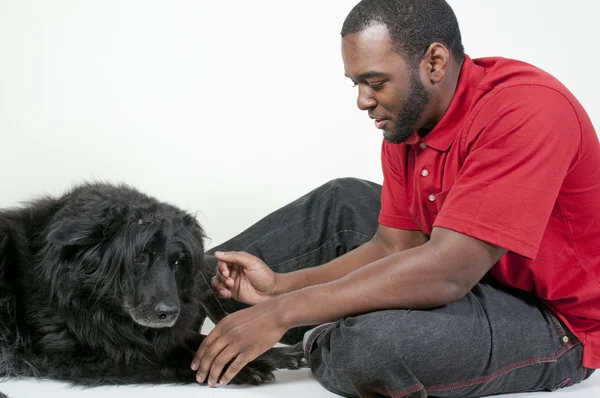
(394,206)
(521,144)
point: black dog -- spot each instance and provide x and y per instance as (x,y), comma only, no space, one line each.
(101,286)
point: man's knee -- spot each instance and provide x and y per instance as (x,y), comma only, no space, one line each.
(354,357)
(354,345)
(353,185)
(410,342)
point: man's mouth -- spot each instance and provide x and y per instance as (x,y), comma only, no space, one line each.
(380,123)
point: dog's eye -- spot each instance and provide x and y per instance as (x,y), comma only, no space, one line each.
(178,263)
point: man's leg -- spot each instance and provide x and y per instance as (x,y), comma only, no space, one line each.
(490,342)
(324,224)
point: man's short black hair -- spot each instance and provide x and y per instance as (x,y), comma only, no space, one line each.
(413,25)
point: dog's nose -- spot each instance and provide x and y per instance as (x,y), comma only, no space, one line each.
(166,311)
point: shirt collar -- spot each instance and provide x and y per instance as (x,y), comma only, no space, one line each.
(444,133)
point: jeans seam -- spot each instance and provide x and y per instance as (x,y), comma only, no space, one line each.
(559,329)
(320,247)
(335,208)
(273,232)
(265,236)
(504,371)
(404,392)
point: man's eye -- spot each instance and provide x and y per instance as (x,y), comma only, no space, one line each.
(376,86)
(354,84)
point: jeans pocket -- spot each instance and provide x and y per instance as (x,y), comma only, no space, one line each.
(568,368)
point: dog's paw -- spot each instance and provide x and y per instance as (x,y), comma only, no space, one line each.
(261,369)
(254,373)
(290,357)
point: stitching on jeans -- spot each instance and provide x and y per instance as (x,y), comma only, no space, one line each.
(401,393)
(332,184)
(335,208)
(305,197)
(501,372)
(557,325)
(560,329)
(320,247)
(265,237)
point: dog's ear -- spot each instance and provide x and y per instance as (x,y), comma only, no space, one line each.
(83,231)
(89,215)
(74,233)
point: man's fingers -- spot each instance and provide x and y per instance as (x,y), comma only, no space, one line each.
(224,281)
(206,343)
(206,360)
(243,259)
(215,283)
(223,269)
(226,356)
(220,280)
(233,369)
(221,290)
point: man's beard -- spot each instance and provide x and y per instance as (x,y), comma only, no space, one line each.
(412,108)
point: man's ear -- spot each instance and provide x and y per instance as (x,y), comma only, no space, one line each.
(437,62)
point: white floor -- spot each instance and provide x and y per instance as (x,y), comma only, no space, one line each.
(298,383)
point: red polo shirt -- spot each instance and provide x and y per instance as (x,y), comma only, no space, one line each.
(515,162)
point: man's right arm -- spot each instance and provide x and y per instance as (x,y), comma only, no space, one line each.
(385,242)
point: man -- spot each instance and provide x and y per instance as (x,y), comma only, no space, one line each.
(474,270)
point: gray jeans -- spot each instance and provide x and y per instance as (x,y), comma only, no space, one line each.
(492,341)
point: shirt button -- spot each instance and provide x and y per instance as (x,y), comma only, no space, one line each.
(565,339)
(424,173)
(423,145)
(431,198)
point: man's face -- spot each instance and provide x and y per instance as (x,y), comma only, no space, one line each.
(389,89)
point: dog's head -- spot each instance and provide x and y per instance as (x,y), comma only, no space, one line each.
(127,250)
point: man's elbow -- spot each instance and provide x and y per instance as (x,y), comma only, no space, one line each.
(454,291)
(437,294)
(457,288)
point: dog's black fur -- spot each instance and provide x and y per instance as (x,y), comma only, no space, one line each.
(101,286)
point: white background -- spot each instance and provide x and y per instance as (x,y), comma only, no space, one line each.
(226,108)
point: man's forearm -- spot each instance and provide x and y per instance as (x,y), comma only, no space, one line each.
(430,275)
(367,253)
(409,279)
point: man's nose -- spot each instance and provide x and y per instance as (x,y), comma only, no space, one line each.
(365,101)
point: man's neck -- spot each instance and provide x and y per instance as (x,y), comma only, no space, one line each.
(443,97)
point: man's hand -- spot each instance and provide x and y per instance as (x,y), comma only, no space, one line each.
(244,278)
(240,337)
